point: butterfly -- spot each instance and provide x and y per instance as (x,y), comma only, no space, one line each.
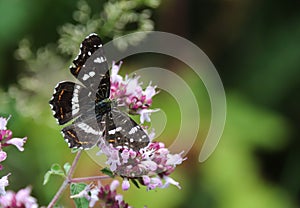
(86,108)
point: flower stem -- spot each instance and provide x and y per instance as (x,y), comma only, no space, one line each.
(90,178)
(66,182)
(73,166)
(58,194)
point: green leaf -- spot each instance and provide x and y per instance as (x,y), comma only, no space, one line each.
(135,183)
(54,170)
(57,170)
(108,172)
(74,150)
(67,167)
(46,177)
(76,188)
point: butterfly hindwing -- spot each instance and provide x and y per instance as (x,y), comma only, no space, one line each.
(82,133)
(122,131)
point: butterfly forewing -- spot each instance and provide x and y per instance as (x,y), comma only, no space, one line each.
(90,66)
(65,102)
(89,45)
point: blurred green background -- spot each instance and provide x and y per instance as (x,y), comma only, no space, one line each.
(255,46)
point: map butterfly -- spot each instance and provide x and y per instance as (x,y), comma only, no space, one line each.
(87,107)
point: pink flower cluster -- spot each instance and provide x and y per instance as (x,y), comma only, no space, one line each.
(21,199)
(106,194)
(152,165)
(129,93)
(7,140)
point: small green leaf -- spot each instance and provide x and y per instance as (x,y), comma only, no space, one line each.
(76,188)
(54,170)
(67,167)
(108,172)
(135,183)
(74,150)
(57,170)
(46,177)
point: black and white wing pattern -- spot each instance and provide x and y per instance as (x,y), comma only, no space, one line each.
(76,102)
(88,106)
(123,132)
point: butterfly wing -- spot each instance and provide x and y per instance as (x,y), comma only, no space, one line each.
(75,102)
(90,66)
(65,102)
(82,133)
(122,131)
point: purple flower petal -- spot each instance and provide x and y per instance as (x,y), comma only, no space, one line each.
(23,198)
(113,159)
(150,165)
(125,184)
(3,155)
(154,183)
(114,184)
(125,155)
(7,199)
(5,135)
(146,179)
(18,142)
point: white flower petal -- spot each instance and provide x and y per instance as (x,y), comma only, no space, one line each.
(94,197)
(169,181)
(133,87)
(3,123)
(174,159)
(3,184)
(145,114)
(149,91)
(119,198)
(115,77)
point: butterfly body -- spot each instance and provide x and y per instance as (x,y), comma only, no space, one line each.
(101,108)
(87,106)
